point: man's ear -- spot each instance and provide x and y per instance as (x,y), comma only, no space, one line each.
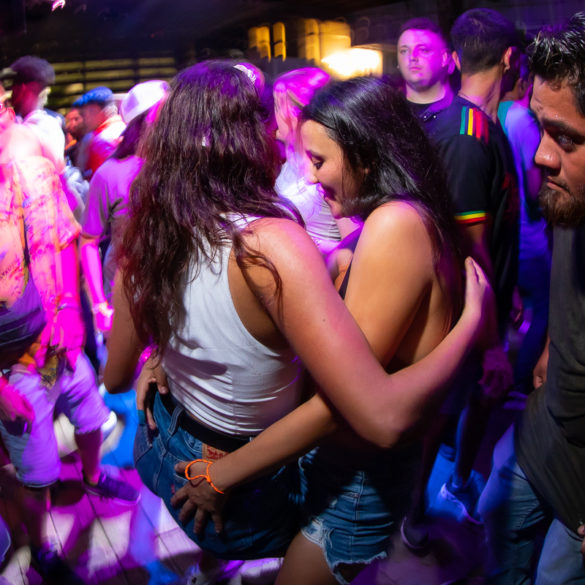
(456,60)
(506,58)
(448,61)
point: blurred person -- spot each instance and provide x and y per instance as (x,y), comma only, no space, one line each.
(482,183)
(292,91)
(523,132)
(425,63)
(109,192)
(75,131)
(103,126)
(32,78)
(220,287)
(537,484)
(39,242)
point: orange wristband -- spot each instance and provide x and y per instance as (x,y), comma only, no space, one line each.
(204,476)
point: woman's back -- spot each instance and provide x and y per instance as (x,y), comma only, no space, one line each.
(397,290)
(224,376)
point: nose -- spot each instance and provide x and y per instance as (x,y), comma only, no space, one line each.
(547,155)
(311,175)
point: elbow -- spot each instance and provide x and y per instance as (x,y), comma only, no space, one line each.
(381,432)
(117,382)
(386,431)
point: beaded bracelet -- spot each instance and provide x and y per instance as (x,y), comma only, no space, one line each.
(103,309)
(205,475)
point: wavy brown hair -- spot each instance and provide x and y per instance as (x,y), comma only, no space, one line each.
(208,162)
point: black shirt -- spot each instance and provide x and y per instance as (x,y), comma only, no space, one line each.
(550,439)
(481,177)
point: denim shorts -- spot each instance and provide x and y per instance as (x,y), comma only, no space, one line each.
(352,506)
(260,518)
(33,449)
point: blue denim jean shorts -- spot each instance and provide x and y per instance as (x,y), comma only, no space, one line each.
(353,505)
(260,518)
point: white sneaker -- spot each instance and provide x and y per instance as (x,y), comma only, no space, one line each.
(109,426)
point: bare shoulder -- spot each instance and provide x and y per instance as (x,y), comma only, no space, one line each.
(282,240)
(396,223)
(396,214)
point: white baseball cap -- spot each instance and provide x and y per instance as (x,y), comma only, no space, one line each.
(141,98)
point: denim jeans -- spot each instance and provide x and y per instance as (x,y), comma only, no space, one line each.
(514,518)
(260,517)
(352,504)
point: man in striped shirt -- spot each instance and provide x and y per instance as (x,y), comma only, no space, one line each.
(481,176)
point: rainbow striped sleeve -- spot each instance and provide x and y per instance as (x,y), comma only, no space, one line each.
(471,217)
(474,123)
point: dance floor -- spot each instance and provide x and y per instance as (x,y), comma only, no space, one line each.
(142,545)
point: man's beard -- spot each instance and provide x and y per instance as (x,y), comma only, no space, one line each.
(562,208)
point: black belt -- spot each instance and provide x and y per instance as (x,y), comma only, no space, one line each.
(201,432)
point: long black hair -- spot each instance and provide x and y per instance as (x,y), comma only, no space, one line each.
(374,126)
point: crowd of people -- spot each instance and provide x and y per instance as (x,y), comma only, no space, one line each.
(310,285)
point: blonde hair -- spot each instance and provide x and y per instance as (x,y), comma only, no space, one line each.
(292,92)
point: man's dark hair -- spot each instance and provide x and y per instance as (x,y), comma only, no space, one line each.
(558,54)
(481,37)
(422,24)
(29,68)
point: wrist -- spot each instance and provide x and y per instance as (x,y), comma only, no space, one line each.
(68,301)
(217,476)
(102,308)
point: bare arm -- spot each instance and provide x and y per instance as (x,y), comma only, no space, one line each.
(314,319)
(476,245)
(124,348)
(91,263)
(390,276)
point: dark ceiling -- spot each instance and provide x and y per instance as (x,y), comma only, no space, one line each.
(89,29)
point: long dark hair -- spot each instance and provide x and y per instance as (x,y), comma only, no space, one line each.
(372,123)
(131,137)
(208,159)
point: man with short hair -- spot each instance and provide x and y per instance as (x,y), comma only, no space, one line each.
(425,63)
(482,184)
(32,78)
(104,127)
(537,484)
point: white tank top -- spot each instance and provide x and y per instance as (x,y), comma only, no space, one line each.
(222,376)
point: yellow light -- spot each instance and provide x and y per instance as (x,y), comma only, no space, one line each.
(353,62)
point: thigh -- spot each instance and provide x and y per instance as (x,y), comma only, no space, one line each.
(561,561)
(513,515)
(80,399)
(304,563)
(33,448)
